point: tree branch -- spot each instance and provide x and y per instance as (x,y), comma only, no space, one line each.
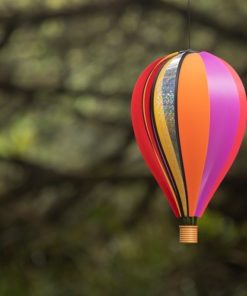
(199,17)
(7,32)
(142,207)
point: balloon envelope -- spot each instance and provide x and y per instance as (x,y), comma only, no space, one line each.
(189,115)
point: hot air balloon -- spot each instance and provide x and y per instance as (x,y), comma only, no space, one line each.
(188,113)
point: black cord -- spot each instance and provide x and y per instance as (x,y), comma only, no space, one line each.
(188,15)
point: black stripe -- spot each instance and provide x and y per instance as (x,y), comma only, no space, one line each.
(160,65)
(165,162)
(185,53)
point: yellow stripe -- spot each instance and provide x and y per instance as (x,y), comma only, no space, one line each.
(161,61)
(145,120)
(165,138)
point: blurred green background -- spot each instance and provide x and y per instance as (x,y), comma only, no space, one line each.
(79,212)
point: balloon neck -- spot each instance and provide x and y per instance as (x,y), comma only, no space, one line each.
(188,230)
(188,220)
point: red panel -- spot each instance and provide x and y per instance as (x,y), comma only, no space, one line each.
(148,148)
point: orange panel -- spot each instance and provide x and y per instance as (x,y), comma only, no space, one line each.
(193,122)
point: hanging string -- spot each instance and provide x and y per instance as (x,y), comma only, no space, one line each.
(188,20)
